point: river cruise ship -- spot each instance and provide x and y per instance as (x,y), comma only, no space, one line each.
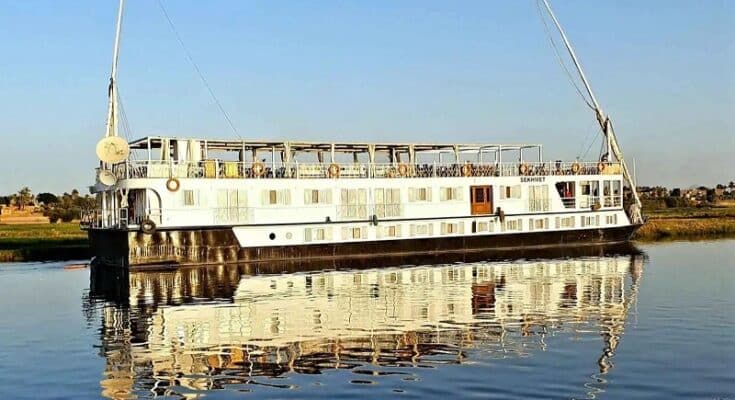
(177,201)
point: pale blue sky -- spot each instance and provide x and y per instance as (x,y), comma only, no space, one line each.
(430,71)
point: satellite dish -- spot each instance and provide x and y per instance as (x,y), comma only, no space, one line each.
(107,178)
(113,149)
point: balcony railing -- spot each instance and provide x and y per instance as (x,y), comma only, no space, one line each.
(216,169)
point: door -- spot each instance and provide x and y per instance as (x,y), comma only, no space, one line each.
(481,198)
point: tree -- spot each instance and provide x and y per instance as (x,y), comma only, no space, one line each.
(675,192)
(24,198)
(47,198)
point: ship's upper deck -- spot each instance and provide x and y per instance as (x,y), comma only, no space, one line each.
(165,157)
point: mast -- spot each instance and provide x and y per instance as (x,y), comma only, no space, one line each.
(112,89)
(604,120)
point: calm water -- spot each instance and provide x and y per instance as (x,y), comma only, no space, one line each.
(651,324)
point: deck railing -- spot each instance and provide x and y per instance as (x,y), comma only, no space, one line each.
(216,169)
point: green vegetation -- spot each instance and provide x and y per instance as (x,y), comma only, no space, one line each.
(42,242)
(685,228)
(687,222)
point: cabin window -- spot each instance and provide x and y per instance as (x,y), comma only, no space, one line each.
(317,234)
(190,197)
(422,229)
(419,194)
(388,231)
(316,196)
(357,232)
(512,225)
(538,224)
(538,198)
(353,203)
(564,222)
(388,202)
(483,226)
(452,228)
(451,193)
(510,192)
(611,219)
(231,206)
(592,220)
(276,197)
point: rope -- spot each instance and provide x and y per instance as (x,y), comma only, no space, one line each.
(196,68)
(559,57)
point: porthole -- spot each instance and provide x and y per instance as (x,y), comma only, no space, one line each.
(272,236)
(289,235)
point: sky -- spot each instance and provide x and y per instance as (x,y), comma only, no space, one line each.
(425,71)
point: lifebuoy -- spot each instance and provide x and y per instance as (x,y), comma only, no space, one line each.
(467,170)
(403,169)
(173,184)
(576,168)
(258,169)
(523,169)
(333,170)
(600,167)
(148,226)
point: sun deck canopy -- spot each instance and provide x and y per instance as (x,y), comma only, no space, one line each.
(289,149)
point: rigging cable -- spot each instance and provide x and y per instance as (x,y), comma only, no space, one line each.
(196,68)
(559,57)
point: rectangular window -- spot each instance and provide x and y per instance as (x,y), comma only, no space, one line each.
(538,198)
(510,192)
(317,234)
(356,232)
(388,231)
(316,196)
(566,193)
(564,222)
(452,228)
(611,219)
(419,194)
(353,204)
(276,197)
(451,193)
(538,224)
(231,206)
(388,202)
(191,197)
(513,225)
(593,220)
(590,191)
(422,229)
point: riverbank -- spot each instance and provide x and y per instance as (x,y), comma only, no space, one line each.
(42,242)
(687,223)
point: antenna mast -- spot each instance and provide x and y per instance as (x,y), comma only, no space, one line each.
(112,89)
(612,143)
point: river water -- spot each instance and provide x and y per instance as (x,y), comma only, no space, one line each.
(654,321)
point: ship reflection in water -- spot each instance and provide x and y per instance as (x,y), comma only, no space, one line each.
(238,328)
